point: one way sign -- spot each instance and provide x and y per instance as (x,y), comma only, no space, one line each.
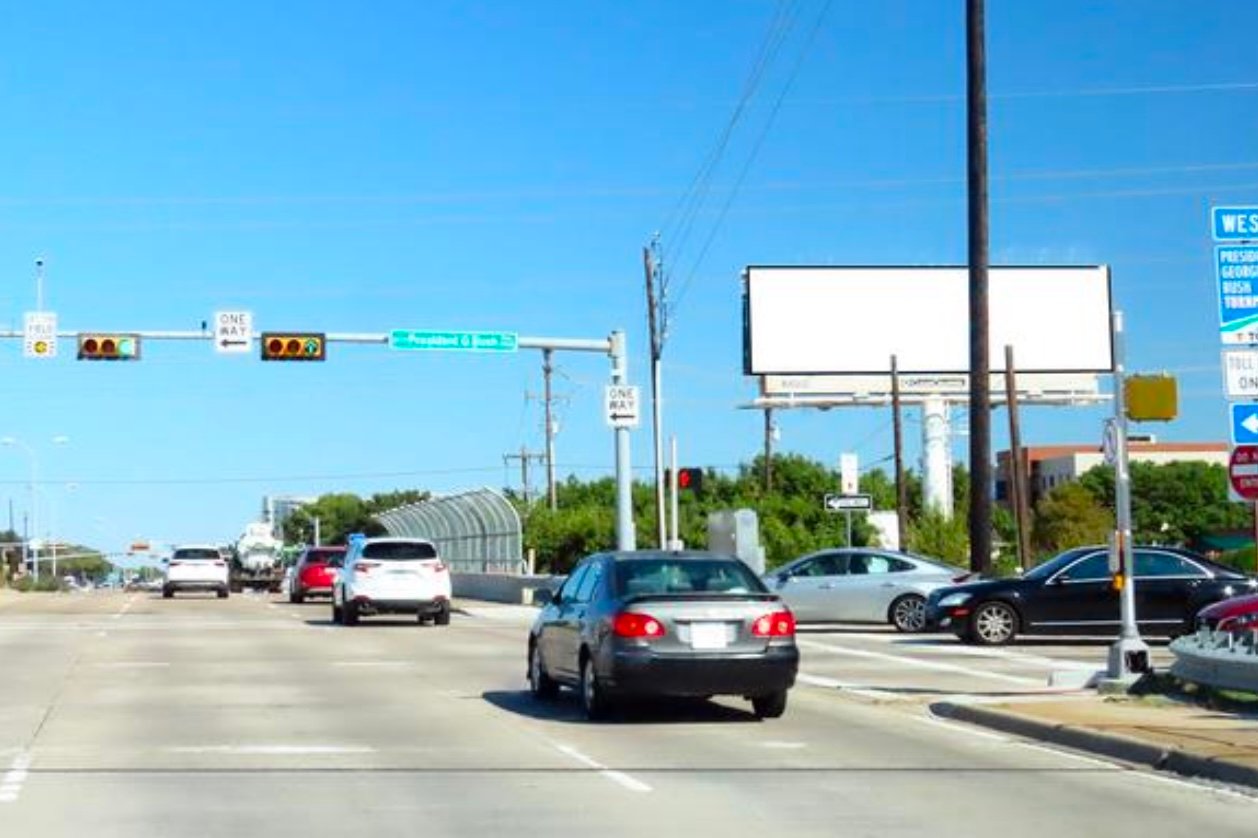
(233,331)
(1245,423)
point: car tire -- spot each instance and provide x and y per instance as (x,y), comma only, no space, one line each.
(769,706)
(540,684)
(222,593)
(296,598)
(594,700)
(168,592)
(993,624)
(442,617)
(349,613)
(908,613)
(338,616)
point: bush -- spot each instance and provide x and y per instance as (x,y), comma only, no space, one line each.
(29,583)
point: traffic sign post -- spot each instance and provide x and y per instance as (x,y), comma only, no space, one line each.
(39,337)
(1240,373)
(620,405)
(1236,271)
(1244,423)
(1242,471)
(424,339)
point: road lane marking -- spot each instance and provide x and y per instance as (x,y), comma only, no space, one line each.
(784,746)
(11,783)
(1002,654)
(272,750)
(373,663)
(970,730)
(618,777)
(125,608)
(938,666)
(132,665)
(834,684)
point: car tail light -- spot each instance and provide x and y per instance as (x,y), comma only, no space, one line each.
(439,567)
(777,624)
(365,567)
(632,624)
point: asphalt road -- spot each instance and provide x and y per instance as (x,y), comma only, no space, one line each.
(129,715)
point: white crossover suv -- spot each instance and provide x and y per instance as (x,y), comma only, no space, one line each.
(391,576)
(195,567)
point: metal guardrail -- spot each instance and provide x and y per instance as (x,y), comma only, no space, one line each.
(1224,659)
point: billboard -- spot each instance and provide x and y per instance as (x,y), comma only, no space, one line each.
(915,387)
(819,320)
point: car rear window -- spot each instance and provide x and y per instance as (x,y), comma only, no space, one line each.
(396,551)
(187,553)
(684,575)
(324,556)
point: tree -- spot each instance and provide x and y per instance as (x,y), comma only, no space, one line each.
(1070,516)
(931,534)
(338,514)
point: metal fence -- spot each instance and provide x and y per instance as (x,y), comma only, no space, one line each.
(475,532)
(1224,659)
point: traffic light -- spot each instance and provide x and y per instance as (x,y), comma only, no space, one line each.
(112,347)
(690,478)
(294,346)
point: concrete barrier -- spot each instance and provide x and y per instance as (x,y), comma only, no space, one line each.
(501,587)
(1223,659)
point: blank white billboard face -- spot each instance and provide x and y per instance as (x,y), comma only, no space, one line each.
(852,320)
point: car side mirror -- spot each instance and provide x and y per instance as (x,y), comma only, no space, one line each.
(543,596)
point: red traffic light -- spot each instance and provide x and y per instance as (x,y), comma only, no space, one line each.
(690,478)
(294,346)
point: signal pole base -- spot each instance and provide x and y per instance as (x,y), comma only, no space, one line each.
(1128,661)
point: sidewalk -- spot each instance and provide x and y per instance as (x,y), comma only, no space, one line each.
(1154,731)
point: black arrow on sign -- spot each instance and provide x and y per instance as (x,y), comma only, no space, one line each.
(227,342)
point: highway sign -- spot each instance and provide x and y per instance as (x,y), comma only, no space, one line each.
(233,332)
(1240,373)
(423,339)
(1236,269)
(1244,423)
(39,337)
(848,503)
(1234,224)
(620,402)
(1242,471)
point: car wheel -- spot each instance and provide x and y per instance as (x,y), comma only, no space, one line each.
(593,700)
(769,706)
(222,593)
(993,624)
(540,684)
(296,598)
(349,613)
(442,617)
(168,592)
(338,616)
(908,613)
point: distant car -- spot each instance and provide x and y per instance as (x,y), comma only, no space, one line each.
(1238,613)
(1073,593)
(392,576)
(668,624)
(863,585)
(195,567)
(315,573)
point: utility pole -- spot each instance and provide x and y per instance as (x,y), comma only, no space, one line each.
(524,457)
(980,365)
(1019,496)
(655,318)
(547,368)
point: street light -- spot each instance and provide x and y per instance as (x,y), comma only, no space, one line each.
(33,555)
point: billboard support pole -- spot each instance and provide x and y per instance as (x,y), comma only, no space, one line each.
(1019,496)
(901,489)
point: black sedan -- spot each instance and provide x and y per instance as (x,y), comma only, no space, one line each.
(648,623)
(1073,593)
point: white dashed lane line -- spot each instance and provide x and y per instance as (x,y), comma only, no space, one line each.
(618,777)
(11,783)
(937,666)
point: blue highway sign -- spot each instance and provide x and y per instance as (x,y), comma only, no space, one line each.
(1236,269)
(1234,224)
(1244,423)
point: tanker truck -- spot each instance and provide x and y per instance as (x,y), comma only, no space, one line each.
(256,559)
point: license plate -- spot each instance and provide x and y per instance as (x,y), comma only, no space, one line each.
(399,573)
(708,636)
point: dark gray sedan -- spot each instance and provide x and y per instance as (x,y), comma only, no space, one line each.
(649,623)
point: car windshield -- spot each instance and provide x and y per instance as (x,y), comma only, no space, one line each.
(1048,568)
(318,557)
(189,553)
(684,576)
(398,551)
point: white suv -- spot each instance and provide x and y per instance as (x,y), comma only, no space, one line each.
(195,567)
(391,576)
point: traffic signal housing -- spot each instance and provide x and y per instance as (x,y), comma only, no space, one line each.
(690,478)
(294,346)
(108,347)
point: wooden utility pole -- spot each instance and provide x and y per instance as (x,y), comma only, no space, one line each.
(980,365)
(524,457)
(901,490)
(1019,499)
(657,346)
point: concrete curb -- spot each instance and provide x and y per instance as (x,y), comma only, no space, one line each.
(1111,745)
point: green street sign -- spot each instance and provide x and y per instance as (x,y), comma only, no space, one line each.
(421,339)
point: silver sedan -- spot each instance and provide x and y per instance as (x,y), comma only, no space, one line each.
(864,585)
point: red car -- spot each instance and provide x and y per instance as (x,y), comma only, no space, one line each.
(315,572)
(1235,614)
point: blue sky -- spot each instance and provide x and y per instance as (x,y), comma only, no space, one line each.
(500,165)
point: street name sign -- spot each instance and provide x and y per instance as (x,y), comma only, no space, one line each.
(39,336)
(1244,423)
(620,402)
(1240,373)
(848,503)
(1236,270)
(233,332)
(426,339)
(1242,471)
(1234,224)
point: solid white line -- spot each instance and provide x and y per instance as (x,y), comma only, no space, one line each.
(970,730)
(937,666)
(618,777)
(1002,654)
(372,663)
(133,665)
(834,684)
(273,750)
